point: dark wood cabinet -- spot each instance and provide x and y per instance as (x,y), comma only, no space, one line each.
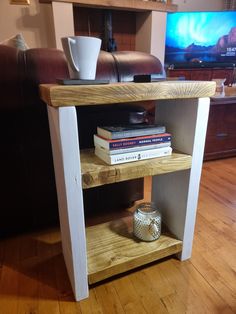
(201,75)
(224,73)
(221,131)
(206,74)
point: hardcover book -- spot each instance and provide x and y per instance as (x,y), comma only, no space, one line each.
(131,142)
(131,130)
(132,156)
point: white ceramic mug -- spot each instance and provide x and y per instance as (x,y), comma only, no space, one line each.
(82,54)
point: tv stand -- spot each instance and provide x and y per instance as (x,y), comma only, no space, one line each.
(202,65)
(195,72)
(221,131)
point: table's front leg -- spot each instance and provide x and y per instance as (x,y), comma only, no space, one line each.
(66,157)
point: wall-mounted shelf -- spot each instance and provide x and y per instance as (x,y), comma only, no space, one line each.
(129,5)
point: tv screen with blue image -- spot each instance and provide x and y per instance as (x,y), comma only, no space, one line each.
(200,37)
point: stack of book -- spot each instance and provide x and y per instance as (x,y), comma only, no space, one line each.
(122,144)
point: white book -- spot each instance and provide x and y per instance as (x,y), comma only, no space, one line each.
(131,142)
(132,149)
(132,156)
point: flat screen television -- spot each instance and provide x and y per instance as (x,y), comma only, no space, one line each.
(200,39)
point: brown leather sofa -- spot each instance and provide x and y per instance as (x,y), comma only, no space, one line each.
(28,193)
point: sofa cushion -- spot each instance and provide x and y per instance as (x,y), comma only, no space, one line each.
(16,41)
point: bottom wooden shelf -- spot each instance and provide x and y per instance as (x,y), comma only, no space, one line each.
(112,249)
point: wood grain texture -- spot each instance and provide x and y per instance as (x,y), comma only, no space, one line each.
(129,5)
(148,296)
(58,95)
(96,172)
(230,91)
(112,249)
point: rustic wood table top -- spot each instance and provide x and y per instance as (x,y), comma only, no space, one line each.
(84,95)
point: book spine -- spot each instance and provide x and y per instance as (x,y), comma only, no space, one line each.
(133,156)
(127,143)
(132,149)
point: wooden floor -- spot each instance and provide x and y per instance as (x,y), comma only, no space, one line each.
(33,277)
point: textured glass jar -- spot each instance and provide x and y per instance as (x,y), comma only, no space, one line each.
(147,222)
(220,87)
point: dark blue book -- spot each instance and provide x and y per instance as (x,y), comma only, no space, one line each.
(131,130)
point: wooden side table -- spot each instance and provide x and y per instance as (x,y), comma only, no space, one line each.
(98,252)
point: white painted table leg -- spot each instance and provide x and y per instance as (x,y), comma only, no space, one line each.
(66,156)
(176,194)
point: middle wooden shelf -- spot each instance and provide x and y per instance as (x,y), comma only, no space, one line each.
(96,172)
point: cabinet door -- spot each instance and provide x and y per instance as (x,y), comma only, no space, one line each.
(223,73)
(201,75)
(230,127)
(215,130)
(221,132)
(180,73)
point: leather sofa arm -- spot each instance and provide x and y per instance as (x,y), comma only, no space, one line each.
(10,78)
(130,63)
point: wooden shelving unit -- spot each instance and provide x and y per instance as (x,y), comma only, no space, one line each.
(129,29)
(128,5)
(97,252)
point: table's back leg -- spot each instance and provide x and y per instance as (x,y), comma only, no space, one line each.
(177,193)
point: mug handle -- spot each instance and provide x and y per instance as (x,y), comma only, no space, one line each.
(71,42)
